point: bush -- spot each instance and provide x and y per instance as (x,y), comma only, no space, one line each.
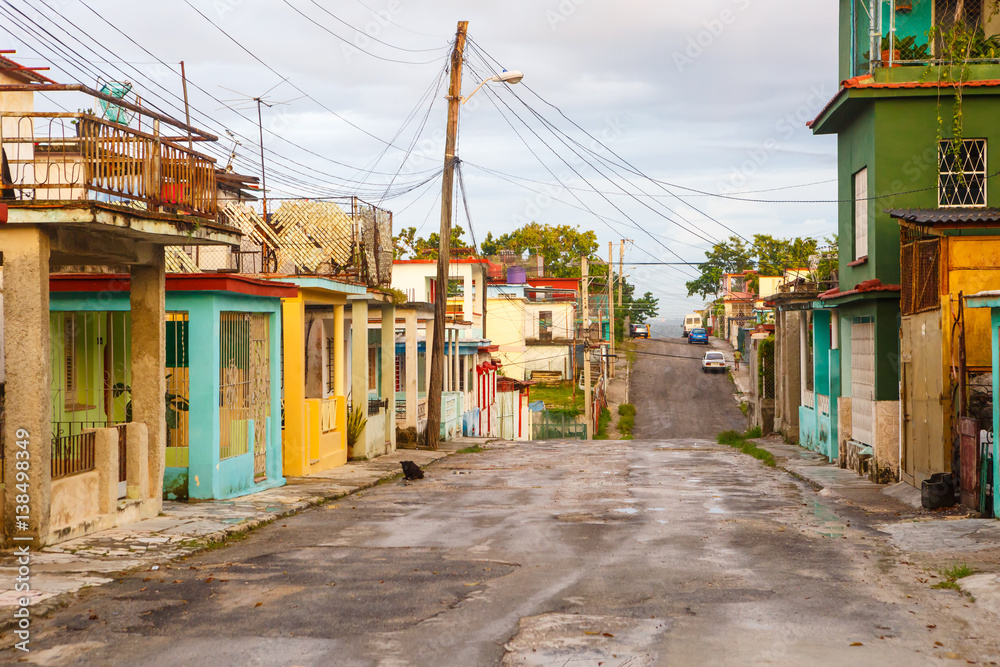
(754,432)
(626,410)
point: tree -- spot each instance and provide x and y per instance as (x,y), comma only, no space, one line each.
(730,256)
(767,255)
(560,245)
(636,310)
(775,255)
(408,246)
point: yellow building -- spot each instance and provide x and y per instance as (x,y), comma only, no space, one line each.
(945,254)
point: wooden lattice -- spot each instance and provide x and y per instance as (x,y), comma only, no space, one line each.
(311,233)
(178,261)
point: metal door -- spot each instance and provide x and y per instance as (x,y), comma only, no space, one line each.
(863,382)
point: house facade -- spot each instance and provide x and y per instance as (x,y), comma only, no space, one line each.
(896,152)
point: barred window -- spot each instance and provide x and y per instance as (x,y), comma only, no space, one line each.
(962,173)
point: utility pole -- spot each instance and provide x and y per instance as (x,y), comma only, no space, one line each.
(588,407)
(611,309)
(263,175)
(627,328)
(444,249)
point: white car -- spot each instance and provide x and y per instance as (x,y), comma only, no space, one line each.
(714,362)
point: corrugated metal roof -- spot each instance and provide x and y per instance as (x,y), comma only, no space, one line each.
(943,216)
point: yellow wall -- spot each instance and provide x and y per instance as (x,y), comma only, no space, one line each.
(308,446)
(505,327)
(975,267)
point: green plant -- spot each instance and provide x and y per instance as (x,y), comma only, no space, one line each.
(475,449)
(398,296)
(953,574)
(755,432)
(603,420)
(739,441)
(356,421)
(626,420)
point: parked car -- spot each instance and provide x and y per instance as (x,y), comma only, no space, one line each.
(698,336)
(691,321)
(714,362)
(639,331)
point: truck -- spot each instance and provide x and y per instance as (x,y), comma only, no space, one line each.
(691,321)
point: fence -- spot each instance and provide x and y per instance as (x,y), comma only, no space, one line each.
(307,237)
(557,426)
(73,454)
(77,156)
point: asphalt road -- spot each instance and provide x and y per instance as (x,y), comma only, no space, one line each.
(675,399)
(649,552)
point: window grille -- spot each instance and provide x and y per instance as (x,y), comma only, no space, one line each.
(962,173)
(920,275)
(177,373)
(90,358)
(331,372)
(861,214)
(245,386)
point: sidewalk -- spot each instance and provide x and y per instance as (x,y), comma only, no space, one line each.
(184,528)
(937,539)
(741,377)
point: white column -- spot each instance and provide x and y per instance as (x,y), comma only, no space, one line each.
(412,395)
(835,329)
(803,342)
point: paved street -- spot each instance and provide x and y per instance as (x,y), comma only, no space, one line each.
(666,550)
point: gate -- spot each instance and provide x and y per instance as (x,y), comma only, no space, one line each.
(863,382)
(245,386)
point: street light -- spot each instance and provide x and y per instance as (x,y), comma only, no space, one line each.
(512,76)
(435,385)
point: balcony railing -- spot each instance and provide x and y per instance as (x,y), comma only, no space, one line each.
(76,156)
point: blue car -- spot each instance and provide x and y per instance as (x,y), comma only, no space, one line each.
(698,336)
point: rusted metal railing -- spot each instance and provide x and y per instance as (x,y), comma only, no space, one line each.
(77,156)
(73,454)
(122,452)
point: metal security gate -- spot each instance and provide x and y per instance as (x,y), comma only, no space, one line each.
(245,386)
(863,382)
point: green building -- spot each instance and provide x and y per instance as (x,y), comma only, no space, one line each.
(910,139)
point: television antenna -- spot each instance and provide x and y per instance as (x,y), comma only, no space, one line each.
(246,102)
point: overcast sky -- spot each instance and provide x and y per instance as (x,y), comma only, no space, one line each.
(711,95)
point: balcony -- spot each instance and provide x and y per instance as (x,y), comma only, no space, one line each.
(79,169)
(920,33)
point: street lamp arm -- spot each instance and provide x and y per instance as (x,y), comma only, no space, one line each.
(507,76)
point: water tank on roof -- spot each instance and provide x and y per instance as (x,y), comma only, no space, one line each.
(516,275)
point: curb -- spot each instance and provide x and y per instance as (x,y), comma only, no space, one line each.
(46,607)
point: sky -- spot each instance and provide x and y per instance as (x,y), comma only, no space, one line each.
(623,104)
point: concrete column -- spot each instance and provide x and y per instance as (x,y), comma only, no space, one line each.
(412,395)
(106,459)
(454,361)
(339,368)
(803,351)
(136,462)
(388,379)
(295,442)
(428,348)
(359,370)
(149,384)
(28,374)
(835,329)
(446,383)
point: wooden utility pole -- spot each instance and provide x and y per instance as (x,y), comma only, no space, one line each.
(621,269)
(611,310)
(588,407)
(187,109)
(444,250)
